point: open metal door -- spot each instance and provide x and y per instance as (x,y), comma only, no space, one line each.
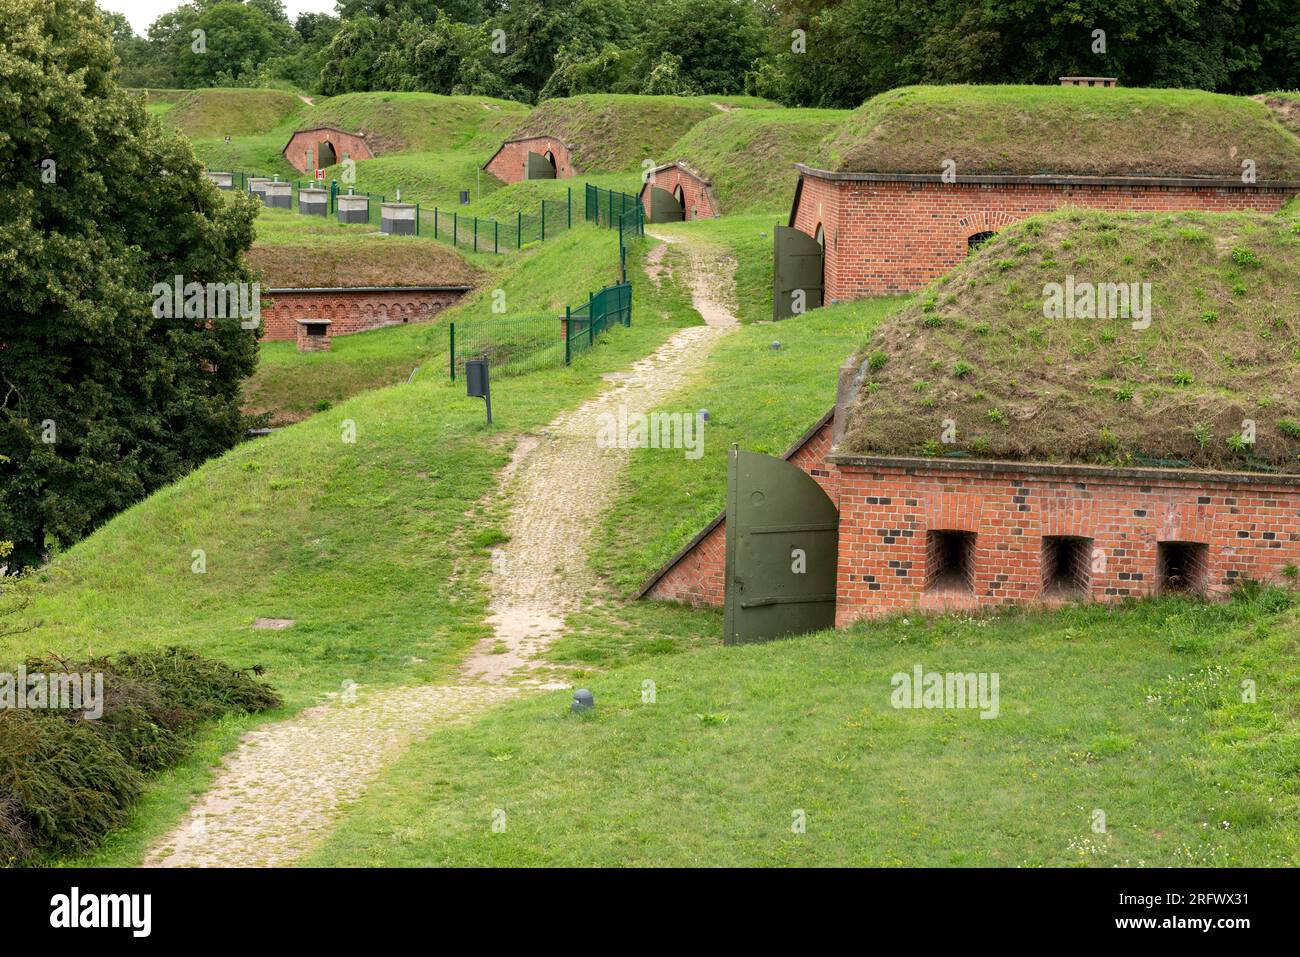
(664,207)
(796,272)
(782,548)
(539,167)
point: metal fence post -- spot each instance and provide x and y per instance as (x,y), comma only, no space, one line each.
(435,222)
(568,332)
(475,234)
(519,229)
(417,219)
(569,208)
(451,349)
(455,228)
(543,220)
(496,236)
(591,320)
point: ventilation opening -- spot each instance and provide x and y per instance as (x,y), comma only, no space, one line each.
(1066,565)
(950,561)
(978,240)
(1182,568)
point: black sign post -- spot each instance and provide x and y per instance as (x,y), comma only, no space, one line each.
(477,384)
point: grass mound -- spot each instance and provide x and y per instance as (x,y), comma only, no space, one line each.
(1285,106)
(217,113)
(750,154)
(1083,131)
(610,132)
(415,122)
(976,347)
(67,780)
(338,255)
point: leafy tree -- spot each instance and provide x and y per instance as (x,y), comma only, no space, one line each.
(712,42)
(236,39)
(100,401)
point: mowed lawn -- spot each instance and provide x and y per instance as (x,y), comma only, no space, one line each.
(1132,712)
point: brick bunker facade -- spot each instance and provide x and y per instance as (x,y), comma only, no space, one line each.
(893,233)
(510,162)
(304,148)
(1025,533)
(698,201)
(352,310)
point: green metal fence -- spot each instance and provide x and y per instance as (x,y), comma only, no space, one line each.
(605,207)
(584,326)
(497,236)
(516,346)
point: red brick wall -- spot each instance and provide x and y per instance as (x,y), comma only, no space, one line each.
(697,200)
(886,237)
(510,165)
(1252,530)
(349,310)
(345,145)
(697,578)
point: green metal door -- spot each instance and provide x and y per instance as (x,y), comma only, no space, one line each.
(539,167)
(797,272)
(782,547)
(664,207)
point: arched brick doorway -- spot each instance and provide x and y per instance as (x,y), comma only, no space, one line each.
(977,240)
(325,155)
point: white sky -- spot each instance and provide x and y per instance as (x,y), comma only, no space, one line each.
(141,13)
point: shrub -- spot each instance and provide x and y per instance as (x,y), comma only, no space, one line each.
(16,842)
(1289,427)
(71,785)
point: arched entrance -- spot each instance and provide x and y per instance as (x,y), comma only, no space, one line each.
(979,239)
(325,155)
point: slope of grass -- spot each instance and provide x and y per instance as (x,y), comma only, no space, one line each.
(1285,106)
(611,132)
(975,347)
(415,122)
(216,113)
(749,155)
(373,547)
(1130,711)
(1065,130)
(748,240)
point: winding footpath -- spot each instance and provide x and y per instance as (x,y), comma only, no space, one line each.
(278,794)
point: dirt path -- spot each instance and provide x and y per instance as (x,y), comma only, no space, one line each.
(278,794)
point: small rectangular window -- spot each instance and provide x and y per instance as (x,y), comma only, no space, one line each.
(950,561)
(1066,566)
(1182,568)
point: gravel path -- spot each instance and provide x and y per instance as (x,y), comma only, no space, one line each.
(277,795)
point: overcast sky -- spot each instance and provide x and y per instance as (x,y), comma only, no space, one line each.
(141,13)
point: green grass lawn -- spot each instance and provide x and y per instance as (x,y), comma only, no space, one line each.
(1109,709)
(374,548)
(748,239)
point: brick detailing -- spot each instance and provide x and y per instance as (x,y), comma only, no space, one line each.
(886,236)
(697,575)
(304,148)
(510,162)
(887,513)
(698,200)
(349,310)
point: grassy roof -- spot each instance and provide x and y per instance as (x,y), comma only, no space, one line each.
(1222,347)
(216,112)
(611,132)
(1028,130)
(1285,107)
(350,259)
(400,122)
(749,154)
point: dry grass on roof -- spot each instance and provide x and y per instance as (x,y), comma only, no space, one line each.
(976,352)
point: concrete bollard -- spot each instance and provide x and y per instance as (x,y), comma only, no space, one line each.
(397,219)
(279,195)
(257,186)
(314,202)
(353,209)
(222,180)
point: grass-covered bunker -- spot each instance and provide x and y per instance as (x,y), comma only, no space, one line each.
(917,176)
(986,450)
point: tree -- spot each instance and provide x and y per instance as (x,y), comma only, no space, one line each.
(101,401)
(712,42)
